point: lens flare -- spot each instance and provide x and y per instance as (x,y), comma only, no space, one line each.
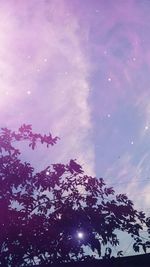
(80,235)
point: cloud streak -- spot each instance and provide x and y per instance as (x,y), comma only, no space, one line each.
(44,77)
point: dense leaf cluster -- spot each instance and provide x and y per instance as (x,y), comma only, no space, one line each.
(42,213)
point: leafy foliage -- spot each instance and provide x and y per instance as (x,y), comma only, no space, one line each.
(42,213)
(143,242)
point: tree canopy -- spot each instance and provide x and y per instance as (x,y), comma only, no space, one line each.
(53,215)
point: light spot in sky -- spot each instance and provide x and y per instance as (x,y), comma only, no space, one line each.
(80,235)
(59,216)
(28,92)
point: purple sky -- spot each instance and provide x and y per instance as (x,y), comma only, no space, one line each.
(81,69)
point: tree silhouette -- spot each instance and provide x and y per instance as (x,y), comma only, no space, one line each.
(52,215)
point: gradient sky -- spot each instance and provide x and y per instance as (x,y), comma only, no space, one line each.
(81,69)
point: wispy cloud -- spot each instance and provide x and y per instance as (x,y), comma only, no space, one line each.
(44,76)
(132,178)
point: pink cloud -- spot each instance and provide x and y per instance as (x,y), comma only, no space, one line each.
(44,77)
